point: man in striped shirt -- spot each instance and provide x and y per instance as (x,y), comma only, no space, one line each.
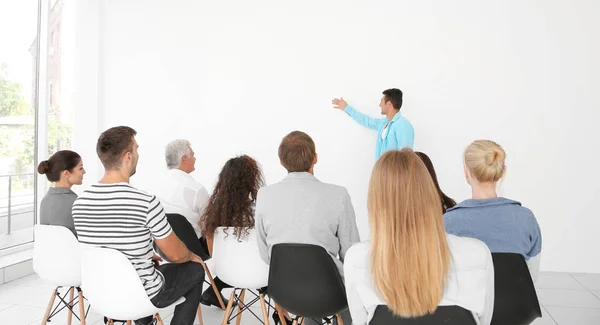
(114,214)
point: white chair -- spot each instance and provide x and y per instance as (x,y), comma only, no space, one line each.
(113,286)
(238,263)
(56,259)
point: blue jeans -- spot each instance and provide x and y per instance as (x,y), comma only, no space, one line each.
(181,280)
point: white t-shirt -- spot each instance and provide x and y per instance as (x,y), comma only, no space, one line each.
(180,193)
(470,283)
(385,131)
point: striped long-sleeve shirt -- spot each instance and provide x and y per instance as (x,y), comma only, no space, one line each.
(121,217)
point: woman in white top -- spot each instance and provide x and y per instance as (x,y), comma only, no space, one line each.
(411,264)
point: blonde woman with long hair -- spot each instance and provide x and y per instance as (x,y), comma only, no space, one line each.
(411,264)
(502,224)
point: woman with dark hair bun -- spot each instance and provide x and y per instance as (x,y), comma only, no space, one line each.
(64,169)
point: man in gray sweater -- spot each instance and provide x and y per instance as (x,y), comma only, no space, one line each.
(301,209)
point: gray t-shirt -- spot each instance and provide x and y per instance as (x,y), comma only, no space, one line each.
(55,209)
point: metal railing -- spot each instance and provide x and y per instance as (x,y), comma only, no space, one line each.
(9,209)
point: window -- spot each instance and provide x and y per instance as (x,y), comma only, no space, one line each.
(59,78)
(18,98)
(23,41)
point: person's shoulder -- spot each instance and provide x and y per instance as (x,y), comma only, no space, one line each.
(517,208)
(135,190)
(468,252)
(125,190)
(403,121)
(452,215)
(334,188)
(357,255)
(529,218)
(193,183)
(526,212)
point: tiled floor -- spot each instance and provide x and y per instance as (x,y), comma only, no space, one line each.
(567,299)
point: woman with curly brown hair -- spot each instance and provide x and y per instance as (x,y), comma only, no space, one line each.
(231,205)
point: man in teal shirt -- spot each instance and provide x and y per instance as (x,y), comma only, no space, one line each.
(394,131)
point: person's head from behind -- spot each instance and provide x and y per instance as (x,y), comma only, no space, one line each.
(179,155)
(118,150)
(447,202)
(231,201)
(391,101)
(64,167)
(409,252)
(297,152)
(484,163)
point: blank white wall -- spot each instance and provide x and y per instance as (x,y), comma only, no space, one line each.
(235,76)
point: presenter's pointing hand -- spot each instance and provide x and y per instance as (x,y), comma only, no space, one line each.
(339,103)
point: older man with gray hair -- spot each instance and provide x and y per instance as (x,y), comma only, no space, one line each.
(179,192)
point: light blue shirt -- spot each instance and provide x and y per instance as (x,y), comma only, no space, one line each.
(399,134)
(502,224)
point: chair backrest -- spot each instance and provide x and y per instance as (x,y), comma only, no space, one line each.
(112,285)
(515,299)
(447,315)
(304,280)
(56,256)
(186,233)
(238,262)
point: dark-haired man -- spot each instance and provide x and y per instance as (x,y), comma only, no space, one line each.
(302,209)
(394,131)
(114,214)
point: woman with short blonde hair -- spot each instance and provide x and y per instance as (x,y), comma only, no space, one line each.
(504,225)
(411,264)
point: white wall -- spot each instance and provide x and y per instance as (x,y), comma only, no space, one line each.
(236,76)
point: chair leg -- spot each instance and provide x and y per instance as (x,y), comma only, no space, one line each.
(199,312)
(263,306)
(282,313)
(49,309)
(158,319)
(228,310)
(240,306)
(81,307)
(70,316)
(339,319)
(128,322)
(214,286)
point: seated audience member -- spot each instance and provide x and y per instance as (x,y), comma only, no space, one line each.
(291,210)
(411,264)
(503,224)
(65,169)
(178,191)
(231,205)
(447,202)
(114,214)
